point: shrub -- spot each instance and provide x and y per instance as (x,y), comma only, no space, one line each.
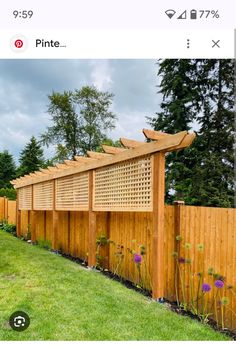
(10,228)
(10,193)
(46,244)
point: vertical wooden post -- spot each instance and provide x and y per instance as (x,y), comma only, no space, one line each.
(5,209)
(177,227)
(92,225)
(108,220)
(18,215)
(158,269)
(32,218)
(55,218)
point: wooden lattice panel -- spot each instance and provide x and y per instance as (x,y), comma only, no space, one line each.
(72,192)
(25,198)
(43,196)
(125,186)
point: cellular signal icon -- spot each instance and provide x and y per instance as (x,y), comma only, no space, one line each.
(170,13)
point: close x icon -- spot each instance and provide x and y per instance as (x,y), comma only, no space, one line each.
(215,44)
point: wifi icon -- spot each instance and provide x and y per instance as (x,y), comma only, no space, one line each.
(170,13)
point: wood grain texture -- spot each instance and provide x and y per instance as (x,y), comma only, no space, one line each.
(92,225)
(146,148)
(214,228)
(158,190)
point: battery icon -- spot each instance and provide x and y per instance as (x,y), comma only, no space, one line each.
(193,14)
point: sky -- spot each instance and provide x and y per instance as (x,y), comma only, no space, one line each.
(26,84)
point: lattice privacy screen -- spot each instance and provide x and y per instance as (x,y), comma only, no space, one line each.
(43,196)
(124,186)
(25,198)
(72,192)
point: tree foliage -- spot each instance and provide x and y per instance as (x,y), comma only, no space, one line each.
(80,120)
(7,169)
(31,157)
(9,193)
(109,142)
(199,94)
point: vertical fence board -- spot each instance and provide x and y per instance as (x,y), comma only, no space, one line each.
(49,226)
(11,216)
(213,227)
(40,226)
(1,209)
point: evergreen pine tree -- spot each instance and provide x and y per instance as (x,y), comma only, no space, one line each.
(199,92)
(7,169)
(215,166)
(31,157)
(181,99)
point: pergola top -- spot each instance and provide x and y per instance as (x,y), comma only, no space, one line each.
(131,149)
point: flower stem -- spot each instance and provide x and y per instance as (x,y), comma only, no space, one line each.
(176,285)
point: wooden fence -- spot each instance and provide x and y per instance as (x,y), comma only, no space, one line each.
(118,195)
(208,240)
(7,210)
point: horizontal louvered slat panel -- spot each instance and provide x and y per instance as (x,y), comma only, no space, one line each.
(72,193)
(124,186)
(43,196)
(25,198)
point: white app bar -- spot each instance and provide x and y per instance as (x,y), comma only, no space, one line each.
(85,44)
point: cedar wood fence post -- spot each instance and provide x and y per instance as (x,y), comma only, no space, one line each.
(158,225)
(55,218)
(178,205)
(92,224)
(18,216)
(33,216)
(5,208)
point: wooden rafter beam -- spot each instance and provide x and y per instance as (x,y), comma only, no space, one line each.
(33,174)
(46,171)
(131,144)
(39,173)
(25,177)
(97,155)
(61,166)
(165,144)
(15,181)
(154,135)
(52,169)
(187,141)
(82,159)
(113,150)
(71,163)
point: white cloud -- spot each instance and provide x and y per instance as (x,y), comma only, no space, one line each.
(101,74)
(25,85)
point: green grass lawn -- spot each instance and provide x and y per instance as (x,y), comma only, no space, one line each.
(67,302)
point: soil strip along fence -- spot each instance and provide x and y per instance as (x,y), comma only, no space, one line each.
(119,195)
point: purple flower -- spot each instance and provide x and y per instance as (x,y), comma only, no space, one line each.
(219,284)
(206,287)
(182,260)
(137,258)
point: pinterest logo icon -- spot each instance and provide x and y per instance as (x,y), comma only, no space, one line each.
(18,43)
